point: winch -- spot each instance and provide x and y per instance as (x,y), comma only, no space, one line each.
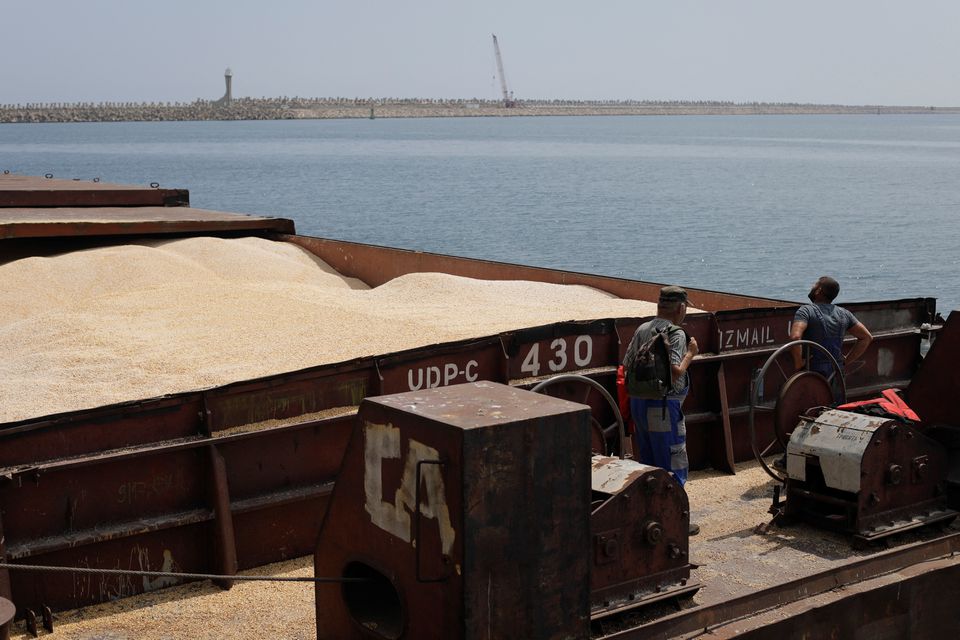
(640,524)
(865,475)
(639,519)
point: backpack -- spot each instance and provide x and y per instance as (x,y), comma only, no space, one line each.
(647,366)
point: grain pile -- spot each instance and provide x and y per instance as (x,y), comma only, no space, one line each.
(120,323)
(201,610)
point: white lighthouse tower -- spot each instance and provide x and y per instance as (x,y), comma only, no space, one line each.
(228,96)
(228,79)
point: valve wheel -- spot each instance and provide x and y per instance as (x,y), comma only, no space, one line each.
(799,392)
(604,440)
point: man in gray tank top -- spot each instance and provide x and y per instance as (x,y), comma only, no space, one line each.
(826,324)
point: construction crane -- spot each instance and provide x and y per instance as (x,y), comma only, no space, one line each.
(508,100)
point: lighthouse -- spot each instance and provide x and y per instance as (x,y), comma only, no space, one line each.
(228,79)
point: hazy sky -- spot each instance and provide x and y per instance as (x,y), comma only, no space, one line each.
(838,51)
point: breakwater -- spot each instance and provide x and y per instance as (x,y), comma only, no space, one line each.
(307,108)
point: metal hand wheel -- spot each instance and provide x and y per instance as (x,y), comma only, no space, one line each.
(599,433)
(799,392)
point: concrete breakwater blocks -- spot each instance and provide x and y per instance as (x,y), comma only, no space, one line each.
(323,108)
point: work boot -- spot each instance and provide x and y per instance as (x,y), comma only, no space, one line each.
(694,529)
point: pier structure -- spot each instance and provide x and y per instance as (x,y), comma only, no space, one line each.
(297,107)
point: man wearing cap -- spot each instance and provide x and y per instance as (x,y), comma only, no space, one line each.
(661,435)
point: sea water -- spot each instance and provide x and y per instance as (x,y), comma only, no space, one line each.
(758,205)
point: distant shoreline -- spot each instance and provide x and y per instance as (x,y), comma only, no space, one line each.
(342,108)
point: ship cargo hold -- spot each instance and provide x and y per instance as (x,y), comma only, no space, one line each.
(221,478)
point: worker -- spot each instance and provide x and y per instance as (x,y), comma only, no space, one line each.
(825,323)
(661,434)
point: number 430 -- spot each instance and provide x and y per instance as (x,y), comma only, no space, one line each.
(582,355)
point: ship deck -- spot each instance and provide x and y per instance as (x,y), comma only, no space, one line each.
(733,561)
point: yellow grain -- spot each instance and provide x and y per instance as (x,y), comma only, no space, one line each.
(113,324)
(201,610)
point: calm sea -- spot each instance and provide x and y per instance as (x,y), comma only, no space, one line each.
(754,204)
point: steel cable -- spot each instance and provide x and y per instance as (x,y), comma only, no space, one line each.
(172,574)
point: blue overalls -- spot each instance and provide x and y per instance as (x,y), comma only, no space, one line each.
(661,436)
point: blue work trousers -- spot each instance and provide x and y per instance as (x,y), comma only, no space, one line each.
(661,436)
(826,370)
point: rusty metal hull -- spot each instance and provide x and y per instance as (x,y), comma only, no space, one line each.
(376,265)
(78,222)
(203,504)
(915,602)
(132,484)
(939,378)
(31,191)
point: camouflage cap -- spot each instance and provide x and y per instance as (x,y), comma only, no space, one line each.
(673,294)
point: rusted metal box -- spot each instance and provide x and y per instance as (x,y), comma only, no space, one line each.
(465,510)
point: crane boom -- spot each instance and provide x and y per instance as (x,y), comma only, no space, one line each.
(507,96)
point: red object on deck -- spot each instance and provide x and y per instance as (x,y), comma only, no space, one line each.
(889,401)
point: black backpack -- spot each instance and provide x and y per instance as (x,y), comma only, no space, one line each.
(647,366)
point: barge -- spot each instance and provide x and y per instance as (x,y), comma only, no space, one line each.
(236,476)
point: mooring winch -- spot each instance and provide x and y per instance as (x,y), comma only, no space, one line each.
(640,524)
(863,471)
(865,475)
